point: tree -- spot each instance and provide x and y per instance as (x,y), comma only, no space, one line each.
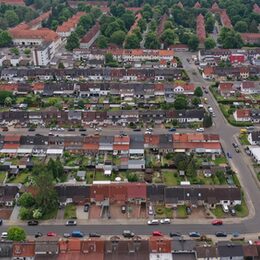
(132,42)
(241,26)
(109,57)
(27,51)
(112,27)
(142,24)
(5,39)
(191,169)
(128,18)
(80,31)
(55,167)
(102,42)
(181,161)
(210,43)
(168,37)
(180,102)
(193,43)
(16,234)
(198,92)
(195,101)
(26,200)
(168,25)
(8,101)
(209,24)
(11,18)
(37,214)
(118,37)
(253,27)
(3,95)
(151,41)
(207,121)
(25,213)
(14,51)
(72,42)
(61,65)
(229,39)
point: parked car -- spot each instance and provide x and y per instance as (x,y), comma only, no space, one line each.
(234,145)
(31,129)
(128,234)
(51,234)
(123,209)
(225,208)
(153,222)
(137,129)
(4,235)
(150,210)
(221,234)
(1,222)
(66,235)
(33,222)
(217,222)
(232,211)
(86,207)
(82,130)
(237,150)
(71,223)
(201,129)
(157,234)
(77,234)
(229,155)
(175,234)
(235,234)
(194,234)
(188,210)
(165,221)
(38,234)
(94,234)
(172,129)
(71,129)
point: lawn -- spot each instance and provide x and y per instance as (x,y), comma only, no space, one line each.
(218,212)
(169,178)
(242,210)
(100,176)
(20,178)
(163,212)
(181,212)
(70,212)
(220,160)
(243,139)
(2,176)
(50,215)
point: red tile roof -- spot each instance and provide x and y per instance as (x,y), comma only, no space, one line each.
(23,249)
(256,8)
(12,2)
(241,113)
(208,71)
(138,17)
(249,37)
(197,5)
(12,138)
(160,28)
(225,86)
(71,23)
(38,86)
(39,19)
(201,32)
(159,244)
(136,190)
(9,87)
(225,20)
(11,146)
(91,33)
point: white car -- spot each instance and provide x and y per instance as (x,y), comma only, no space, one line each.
(165,221)
(153,222)
(4,235)
(200,129)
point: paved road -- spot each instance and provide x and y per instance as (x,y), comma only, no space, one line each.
(251,190)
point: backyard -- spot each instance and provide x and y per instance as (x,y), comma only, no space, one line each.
(70,211)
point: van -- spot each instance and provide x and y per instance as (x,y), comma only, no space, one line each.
(225,208)
(77,234)
(243,131)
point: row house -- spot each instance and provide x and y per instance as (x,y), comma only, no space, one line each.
(90,37)
(116,247)
(250,87)
(201,31)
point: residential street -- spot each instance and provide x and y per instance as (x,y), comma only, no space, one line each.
(239,164)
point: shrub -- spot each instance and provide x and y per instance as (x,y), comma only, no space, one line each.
(159,211)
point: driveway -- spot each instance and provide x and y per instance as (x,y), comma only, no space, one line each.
(80,213)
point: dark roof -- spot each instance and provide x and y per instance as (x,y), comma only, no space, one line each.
(255,136)
(179,245)
(76,192)
(206,252)
(228,249)
(6,249)
(127,250)
(155,192)
(184,256)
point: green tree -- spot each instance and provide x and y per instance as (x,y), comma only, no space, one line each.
(109,57)
(180,161)
(207,121)
(168,37)
(102,42)
(241,26)
(151,41)
(209,24)
(210,43)
(180,102)
(8,101)
(118,37)
(27,51)
(132,42)
(5,39)
(55,167)
(191,170)
(112,27)
(3,95)
(193,43)
(15,51)
(72,42)
(11,18)
(25,213)
(168,25)
(26,200)
(37,214)
(16,234)
(61,65)
(229,39)
(196,101)
(80,31)
(142,24)
(128,18)
(253,27)
(198,92)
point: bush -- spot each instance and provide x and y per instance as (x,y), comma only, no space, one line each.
(159,211)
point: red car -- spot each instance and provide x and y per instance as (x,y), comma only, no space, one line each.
(51,234)
(257,243)
(157,234)
(217,222)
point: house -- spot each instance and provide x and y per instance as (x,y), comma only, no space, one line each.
(186,89)
(201,31)
(23,250)
(225,20)
(254,138)
(90,37)
(242,115)
(6,249)
(8,195)
(155,193)
(206,252)
(251,38)
(255,115)
(196,195)
(228,250)
(237,58)
(226,89)
(250,87)
(160,248)
(77,194)
(136,248)
(46,247)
